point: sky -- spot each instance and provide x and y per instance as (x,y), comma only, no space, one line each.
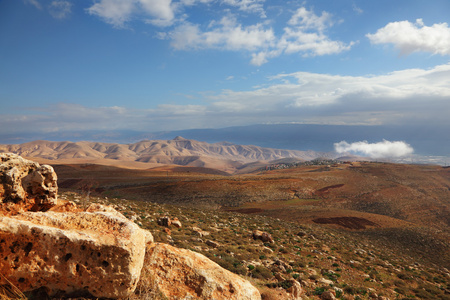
(155,65)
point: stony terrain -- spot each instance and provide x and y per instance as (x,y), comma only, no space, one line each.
(323,231)
(322,260)
(52,248)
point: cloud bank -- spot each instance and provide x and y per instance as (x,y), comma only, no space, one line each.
(261,37)
(384,149)
(413,96)
(304,33)
(119,12)
(414,37)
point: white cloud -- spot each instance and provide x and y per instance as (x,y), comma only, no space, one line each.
(357,9)
(384,149)
(225,34)
(254,6)
(304,34)
(60,9)
(414,37)
(194,2)
(415,97)
(114,12)
(35,3)
(310,44)
(119,12)
(308,20)
(160,10)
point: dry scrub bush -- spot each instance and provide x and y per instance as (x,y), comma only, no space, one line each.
(10,291)
(146,289)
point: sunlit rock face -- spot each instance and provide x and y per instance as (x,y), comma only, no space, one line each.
(184,274)
(26,185)
(97,252)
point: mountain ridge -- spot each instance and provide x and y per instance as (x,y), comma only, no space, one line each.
(178,151)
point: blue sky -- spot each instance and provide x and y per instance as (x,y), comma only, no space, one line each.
(153,65)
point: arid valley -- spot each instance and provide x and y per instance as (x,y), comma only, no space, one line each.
(343,227)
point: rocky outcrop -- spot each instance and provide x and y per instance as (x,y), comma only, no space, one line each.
(176,223)
(296,290)
(164,221)
(167,222)
(97,252)
(328,295)
(263,236)
(184,274)
(25,184)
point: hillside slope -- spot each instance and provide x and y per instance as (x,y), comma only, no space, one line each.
(179,151)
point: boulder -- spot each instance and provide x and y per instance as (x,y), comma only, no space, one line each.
(325,281)
(301,233)
(328,295)
(176,223)
(263,236)
(164,221)
(26,185)
(200,232)
(296,290)
(184,274)
(97,252)
(213,244)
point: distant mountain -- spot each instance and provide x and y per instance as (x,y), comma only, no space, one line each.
(178,151)
(430,141)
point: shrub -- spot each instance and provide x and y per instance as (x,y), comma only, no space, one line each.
(403,276)
(350,290)
(400,290)
(319,290)
(286,284)
(262,272)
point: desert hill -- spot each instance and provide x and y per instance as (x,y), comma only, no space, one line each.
(359,230)
(405,206)
(178,151)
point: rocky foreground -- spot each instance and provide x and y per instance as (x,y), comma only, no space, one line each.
(50,247)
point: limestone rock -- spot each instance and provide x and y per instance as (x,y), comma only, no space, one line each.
(325,281)
(164,221)
(296,290)
(200,232)
(175,222)
(213,244)
(328,295)
(97,252)
(27,183)
(263,236)
(184,274)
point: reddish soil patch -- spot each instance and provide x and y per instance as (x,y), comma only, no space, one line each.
(347,222)
(325,189)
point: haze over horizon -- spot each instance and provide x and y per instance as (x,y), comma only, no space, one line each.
(162,65)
